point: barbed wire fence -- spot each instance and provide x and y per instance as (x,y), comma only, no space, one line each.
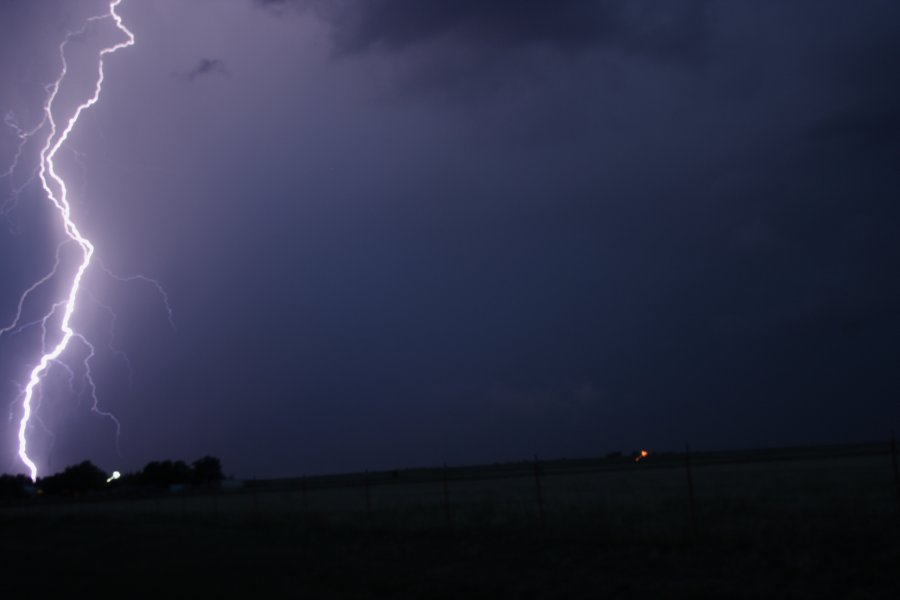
(685,494)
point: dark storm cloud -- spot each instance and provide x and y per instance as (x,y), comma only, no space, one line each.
(858,129)
(473,231)
(859,78)
(701,246)
(206,66)
(676,31)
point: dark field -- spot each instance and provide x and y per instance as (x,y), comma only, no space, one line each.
(800,523)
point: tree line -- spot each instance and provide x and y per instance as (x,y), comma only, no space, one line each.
(87,478)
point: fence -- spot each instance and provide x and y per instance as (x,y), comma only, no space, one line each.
(662,494)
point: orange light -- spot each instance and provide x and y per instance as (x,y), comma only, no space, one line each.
(643,454)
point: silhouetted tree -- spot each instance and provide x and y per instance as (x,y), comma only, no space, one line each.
(166,473)
(80,478)
(12,487)
(207,471)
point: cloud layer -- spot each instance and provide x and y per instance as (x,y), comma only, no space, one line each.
(675,31)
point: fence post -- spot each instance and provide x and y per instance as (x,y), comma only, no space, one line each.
(537,487)
(368,496)
(303,492)
(447,514)
(894,464)
(690,482)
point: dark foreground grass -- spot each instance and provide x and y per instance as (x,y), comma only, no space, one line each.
(170,557)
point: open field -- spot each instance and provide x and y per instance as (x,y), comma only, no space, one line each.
(793,523)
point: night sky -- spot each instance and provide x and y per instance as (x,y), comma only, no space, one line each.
(406,232)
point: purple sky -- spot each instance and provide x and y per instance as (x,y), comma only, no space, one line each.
(404,232)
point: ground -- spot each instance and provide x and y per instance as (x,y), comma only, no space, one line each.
(81,556)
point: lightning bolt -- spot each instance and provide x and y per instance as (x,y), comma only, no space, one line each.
(14,325)
(92,387)
(120,354)
(55,188)
(24,136)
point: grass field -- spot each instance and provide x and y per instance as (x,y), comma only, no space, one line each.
(793,523)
